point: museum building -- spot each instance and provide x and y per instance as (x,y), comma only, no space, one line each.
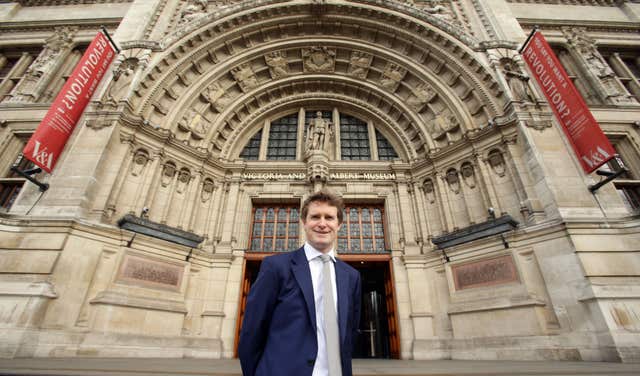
(467,213)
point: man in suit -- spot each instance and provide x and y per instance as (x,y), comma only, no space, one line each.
(286,329)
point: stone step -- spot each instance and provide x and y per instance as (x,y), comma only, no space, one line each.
(362,367)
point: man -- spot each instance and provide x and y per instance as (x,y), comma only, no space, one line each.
(286,329)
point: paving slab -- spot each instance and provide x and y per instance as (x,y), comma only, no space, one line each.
(362,367)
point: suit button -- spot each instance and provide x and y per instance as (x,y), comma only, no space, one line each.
(311,362)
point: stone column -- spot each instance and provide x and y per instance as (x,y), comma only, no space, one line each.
(440,180)
(125,164)
(229,219)
(151,191)
(17,70)
(420,208)
(191,198)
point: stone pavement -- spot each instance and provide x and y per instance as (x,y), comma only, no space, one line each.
(362,367)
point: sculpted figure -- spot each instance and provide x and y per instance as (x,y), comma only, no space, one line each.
(517,82)
(359,64)
(277,62)
(392,76)
(192,10)
(215,95)
(318,128)
(245,77)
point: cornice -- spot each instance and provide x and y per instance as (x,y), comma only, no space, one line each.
(39,3)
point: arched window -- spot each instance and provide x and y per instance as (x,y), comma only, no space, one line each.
(357,139)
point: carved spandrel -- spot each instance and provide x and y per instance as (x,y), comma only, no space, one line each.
(496,271)
(319,59)
(359,64)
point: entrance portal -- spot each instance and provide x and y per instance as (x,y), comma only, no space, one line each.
(378,336)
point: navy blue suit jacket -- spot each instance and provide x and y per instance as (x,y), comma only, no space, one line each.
(278,336)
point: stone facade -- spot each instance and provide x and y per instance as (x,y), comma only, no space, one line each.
(166,138)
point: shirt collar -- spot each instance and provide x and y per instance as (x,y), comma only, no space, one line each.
(312,253)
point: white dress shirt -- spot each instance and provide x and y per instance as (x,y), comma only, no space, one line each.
(321,366)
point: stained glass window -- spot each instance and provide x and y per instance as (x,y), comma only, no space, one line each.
(354,139)
(385,150)
(274,229)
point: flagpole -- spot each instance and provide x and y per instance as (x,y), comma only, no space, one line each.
(106,33)
(535,28)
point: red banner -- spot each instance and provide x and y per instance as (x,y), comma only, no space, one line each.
(56,127)
(587,139)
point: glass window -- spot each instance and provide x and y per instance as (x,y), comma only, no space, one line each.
(385,150)
(274,229)
(12,183)
(283,136)
(354,139)
(361,231)
(626,66)
(627,184)
(252,150)
(573,71)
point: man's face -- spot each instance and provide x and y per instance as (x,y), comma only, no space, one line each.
(321,225)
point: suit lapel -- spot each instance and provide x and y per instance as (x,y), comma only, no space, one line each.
(300,268)
(342,282)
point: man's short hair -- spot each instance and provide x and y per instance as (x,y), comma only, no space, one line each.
(323,195)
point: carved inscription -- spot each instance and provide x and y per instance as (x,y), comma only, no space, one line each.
(150,273)
(494,271)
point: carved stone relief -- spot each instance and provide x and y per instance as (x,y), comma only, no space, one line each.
(245,77)
(442,125)
(496,161)
(392,75)
(517,81)
(216,96)
(149,272)
(468,175)
(453,181)
(278,65)
(319,59)
(184,177)
(319,132)
(496,271)
(207,190)
(436,8)
(359,64)
(122,77)
(194,125)
(168,172)
(429,190)
(422,94)
(191,10)
(140,160)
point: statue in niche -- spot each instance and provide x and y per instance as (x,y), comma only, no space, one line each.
(318,59)
(317,132)
(517,81)
(207,190)
(244,76)
(497,163)
(278,64)
(168,172)
(359,64)
(391,77)
(216,96)
(429,190)
(579,39)
(194,124)
(468,175)
(422,94)
(192,10)
(453,180)
(140,159)
(184,176)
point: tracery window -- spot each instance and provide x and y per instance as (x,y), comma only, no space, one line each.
(362,230)
(283,139)
(274,228)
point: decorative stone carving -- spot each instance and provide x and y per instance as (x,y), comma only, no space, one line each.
(496,161)
(443,123)
(192,10)
(29,89)
(194,124)
(580,40)
(359,64)
(319,59)
(245,77)
(468,175)
(184,177)
(422,94)
(278,65)
(436,8)
(391,77)
(122,77)
(150,273)
(216,96)
(517,81)
(168,172)
(317,132)
(429,190)
(140,159)
(207,190)
(453,181)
